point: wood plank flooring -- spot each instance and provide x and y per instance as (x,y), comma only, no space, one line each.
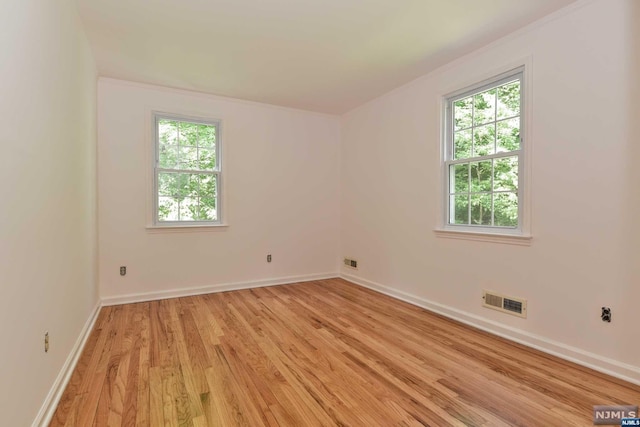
(323,353)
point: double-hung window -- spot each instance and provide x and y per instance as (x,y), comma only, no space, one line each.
(187,173)
(484,156)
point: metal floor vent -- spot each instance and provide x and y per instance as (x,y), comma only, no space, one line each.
(352,263)
(510,305)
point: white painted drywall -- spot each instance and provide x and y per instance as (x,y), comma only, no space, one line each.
(584,187)
(281,194)
(47,191)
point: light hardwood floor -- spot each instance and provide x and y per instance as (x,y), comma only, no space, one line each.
(317,353)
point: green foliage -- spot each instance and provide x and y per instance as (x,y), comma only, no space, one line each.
(190,195)
(484,107)
(481,209)
(484,138)
(481,176)
(505,174)
(460,178)
(492,118)
(462,144)
(461,208)
(462,113)
(509,100)
(505,209)
(484,189)
(186,196)
(508,135)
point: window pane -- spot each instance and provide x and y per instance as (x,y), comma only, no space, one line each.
(182,147)
(460,209)
(509,100)
(207,213)
(508,138)
(188,134)
(506,209)
(168,156)
(462,110)
(207,159)
(188,209)
(484,138)
(187,197)
(167,132)
(484,107)
(206,136)
(208,188)
(188,158)
(459,178)
(462,144)
(485,123)
(481,209)
(208,192)
(481,176)
(167,209)
(167,185)
(505,174)
(177,185)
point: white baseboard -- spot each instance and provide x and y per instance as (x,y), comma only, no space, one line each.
(185,292)
(599,363)
(594,361)
(60,384)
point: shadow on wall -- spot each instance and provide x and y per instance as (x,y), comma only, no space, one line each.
(632,211)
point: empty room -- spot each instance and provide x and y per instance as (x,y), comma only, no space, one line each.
(329,213)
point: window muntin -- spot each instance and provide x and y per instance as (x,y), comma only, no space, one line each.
(187,171)
(484,156)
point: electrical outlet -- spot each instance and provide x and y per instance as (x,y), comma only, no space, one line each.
(46,342)
(605,315)
(123,270)
(269,258)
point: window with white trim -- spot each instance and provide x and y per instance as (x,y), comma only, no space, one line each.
(484,156)
(187,172)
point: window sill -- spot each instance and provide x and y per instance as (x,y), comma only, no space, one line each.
(482,236)
(196,228)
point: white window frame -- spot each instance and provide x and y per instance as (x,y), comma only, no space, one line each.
(515,235)
(217,172)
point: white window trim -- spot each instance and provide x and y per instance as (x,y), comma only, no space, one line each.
(186,228)
(153,225)
(483,236)
(515,236)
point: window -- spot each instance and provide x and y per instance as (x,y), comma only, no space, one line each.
(484,156)
(187,172)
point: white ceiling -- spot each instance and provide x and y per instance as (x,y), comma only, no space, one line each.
(323,55)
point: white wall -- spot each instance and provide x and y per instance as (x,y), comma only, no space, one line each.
(584,189)
(47,188)
(281,195)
